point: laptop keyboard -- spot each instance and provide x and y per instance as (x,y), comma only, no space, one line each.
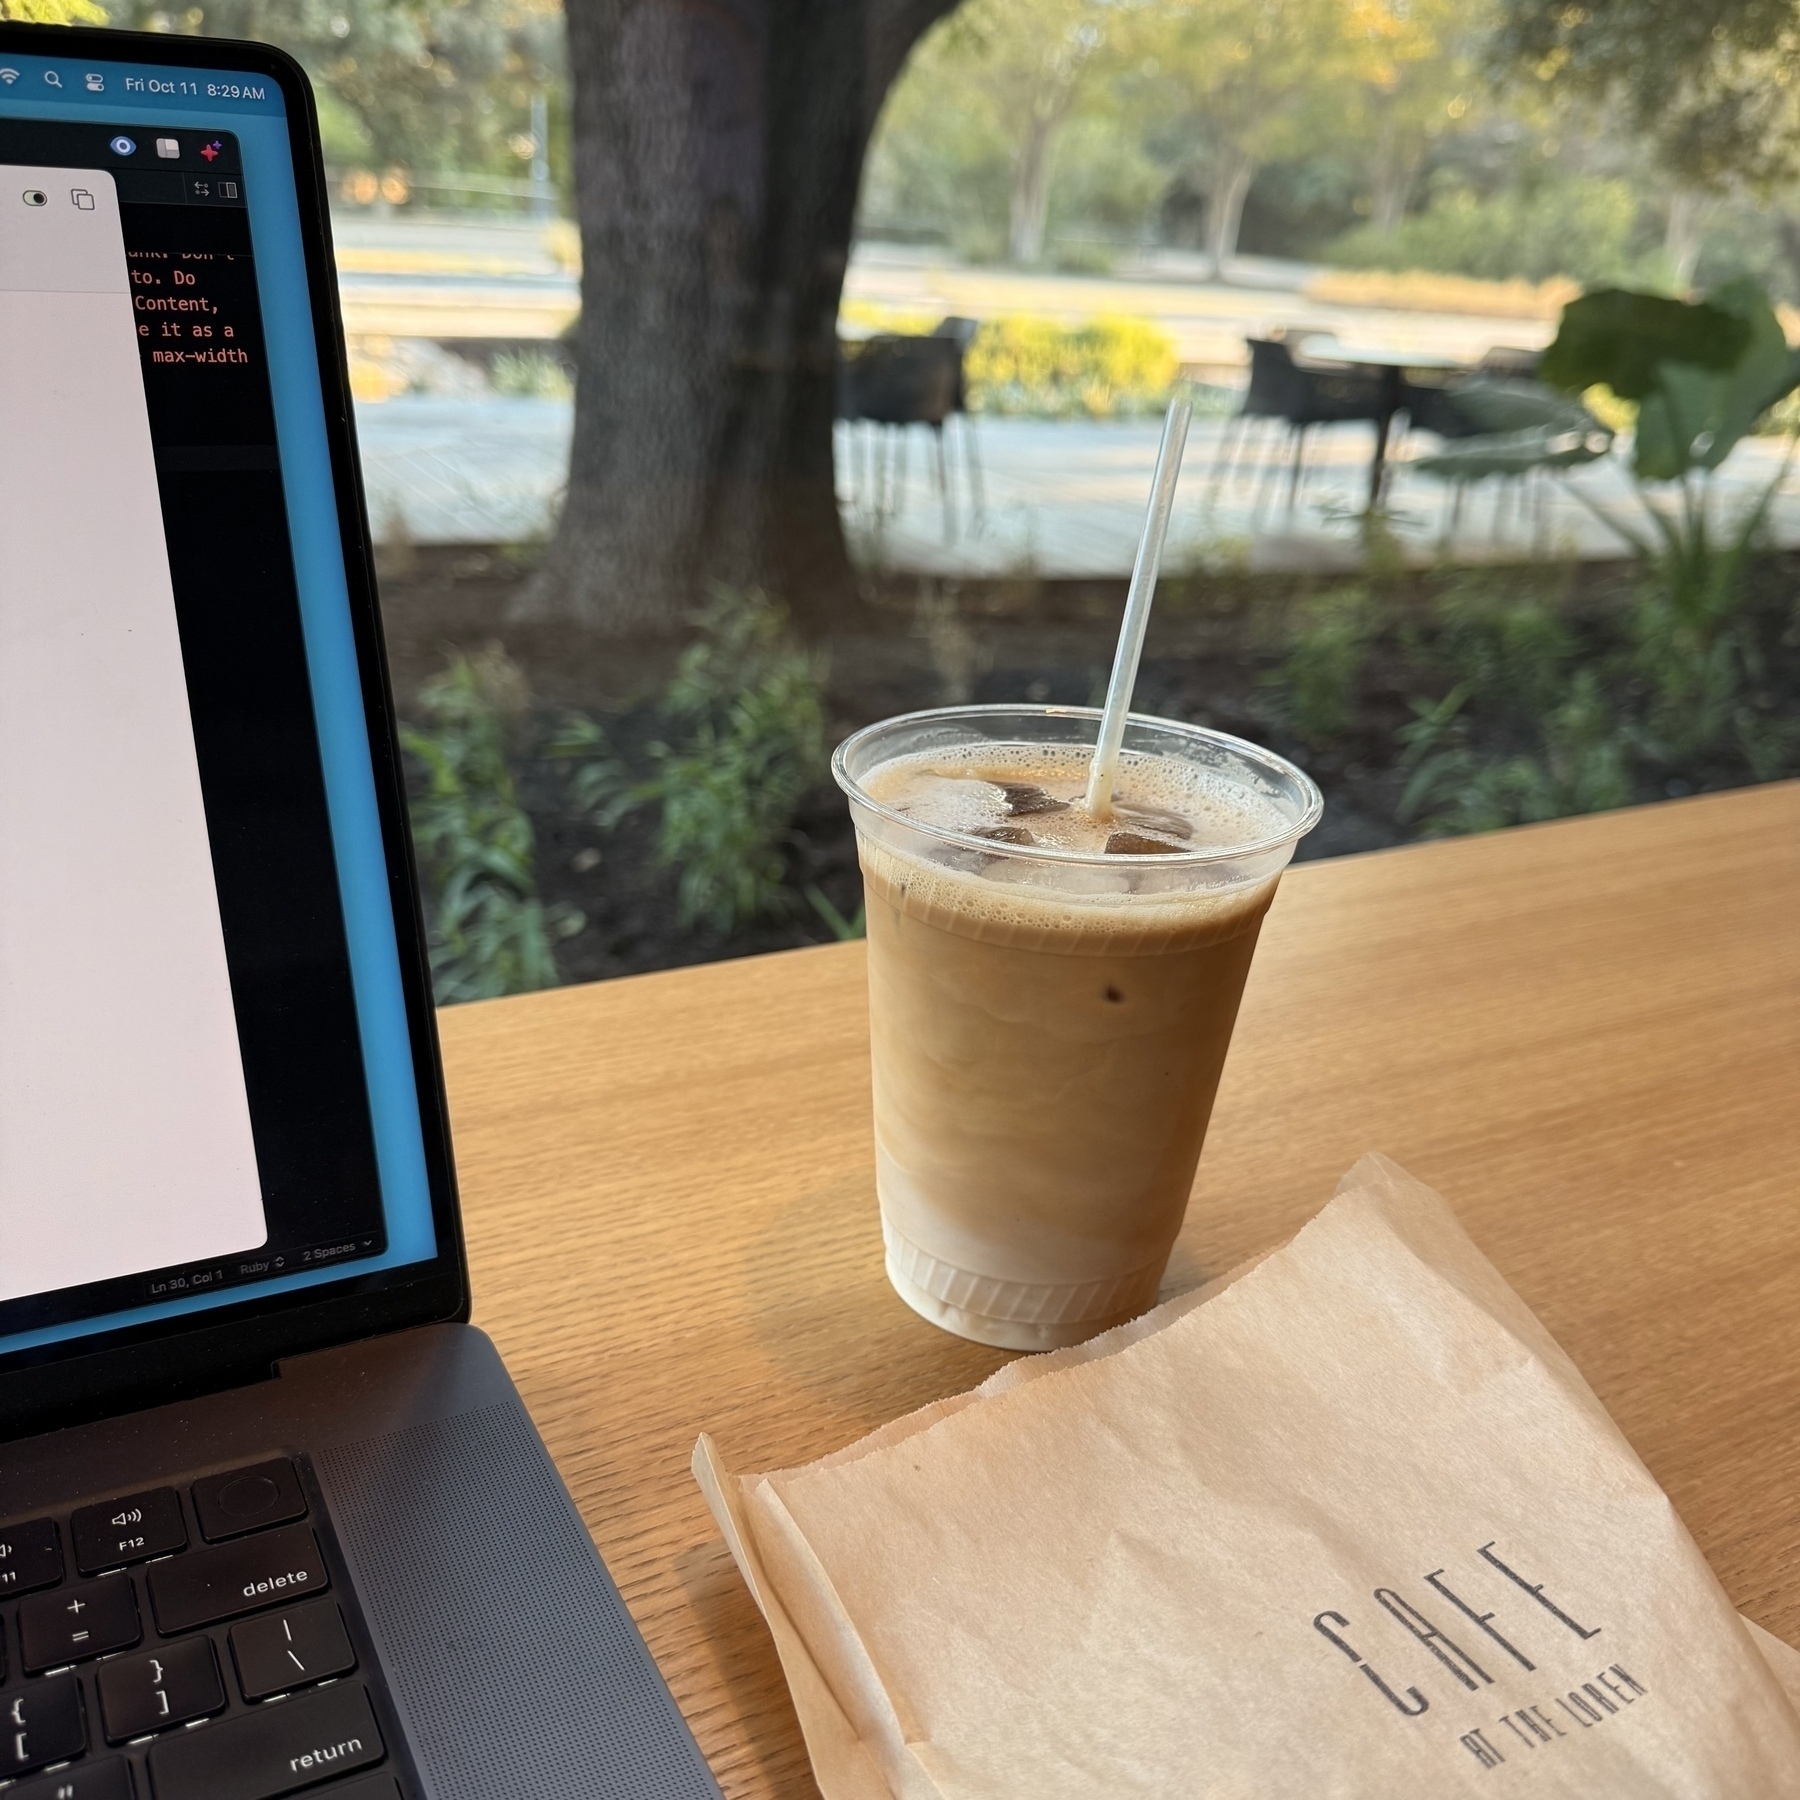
(192,1642)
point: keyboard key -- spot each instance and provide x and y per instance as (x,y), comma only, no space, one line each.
(139,1694)
(273,1750)
(248,1499)
(129,1530)
(40,1724)
(77,1623)
(380,1786)
(109,1780)
(30,1556)
(289,1649)
(255,1572)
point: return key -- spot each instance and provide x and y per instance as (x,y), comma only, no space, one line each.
(205,1585)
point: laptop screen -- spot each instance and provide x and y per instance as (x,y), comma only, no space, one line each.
(207,1084)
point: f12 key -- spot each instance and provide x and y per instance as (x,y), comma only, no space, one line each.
(132,1529)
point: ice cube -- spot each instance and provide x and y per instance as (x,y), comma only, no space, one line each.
(1022,798)
(1155,818)
(1132,843)
(1006,834)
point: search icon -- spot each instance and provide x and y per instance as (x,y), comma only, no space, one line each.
(52,79)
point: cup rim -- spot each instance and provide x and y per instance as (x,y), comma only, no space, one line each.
(1309,789)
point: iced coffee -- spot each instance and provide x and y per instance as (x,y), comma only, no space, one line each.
(1051,999)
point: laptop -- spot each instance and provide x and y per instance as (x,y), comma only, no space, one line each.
(273,1518)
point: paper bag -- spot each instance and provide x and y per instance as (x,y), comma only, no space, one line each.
(1346,1523)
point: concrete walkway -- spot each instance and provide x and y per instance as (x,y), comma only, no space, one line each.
(1051,498)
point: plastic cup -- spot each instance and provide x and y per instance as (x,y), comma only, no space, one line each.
(1048,1028)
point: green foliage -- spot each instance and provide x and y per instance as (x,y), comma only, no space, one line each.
(1320,678)
(52,12)
(346,140)
(1579,226)
(941,161)
(422,85)
(489,932)
(1515,662)
(1702,374)
(1621,340)
(1580,765)
(1081,258)
(1510,644)
(1109,367)
(750,703)
(1709,85)
(1379,102)
(1523,427)
(532,375)
(844,930)
(1106,185)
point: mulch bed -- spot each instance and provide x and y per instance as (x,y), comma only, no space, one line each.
(1213,647)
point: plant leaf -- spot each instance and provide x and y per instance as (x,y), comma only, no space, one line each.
(1618,339)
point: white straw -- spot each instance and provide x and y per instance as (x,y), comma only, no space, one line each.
(1105,770)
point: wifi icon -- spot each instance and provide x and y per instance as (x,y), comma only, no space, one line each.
(9,76)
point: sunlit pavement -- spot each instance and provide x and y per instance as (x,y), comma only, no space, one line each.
(424,278)
(496,279)
(1057,498)
(440,471)
(1066,499)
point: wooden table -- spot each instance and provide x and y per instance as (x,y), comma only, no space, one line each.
(1586,1034)
(1391,364)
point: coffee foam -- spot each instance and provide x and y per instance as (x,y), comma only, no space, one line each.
(1124,905)
(1163,799)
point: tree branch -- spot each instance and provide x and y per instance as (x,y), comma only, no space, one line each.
(894,27)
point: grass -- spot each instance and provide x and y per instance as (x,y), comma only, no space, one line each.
(533,375)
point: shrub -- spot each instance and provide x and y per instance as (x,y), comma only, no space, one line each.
(1036,367)
(1105,368)
(1581,765)
(1700,375)
(1319,679)
(1082,256)
(489,933)
(752,703)
(1507,645)
(531,375)
(1580,227)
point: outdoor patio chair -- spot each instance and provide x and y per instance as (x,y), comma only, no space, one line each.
(1298,396)
(1510,363)
(1432,406)
(886,384)
(962,332)
(1520,435)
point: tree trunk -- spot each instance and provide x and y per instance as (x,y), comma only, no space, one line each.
(1232,173)
(1685,235)
(718,152)
(1031,189)
(1787,235)
(1394,172)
